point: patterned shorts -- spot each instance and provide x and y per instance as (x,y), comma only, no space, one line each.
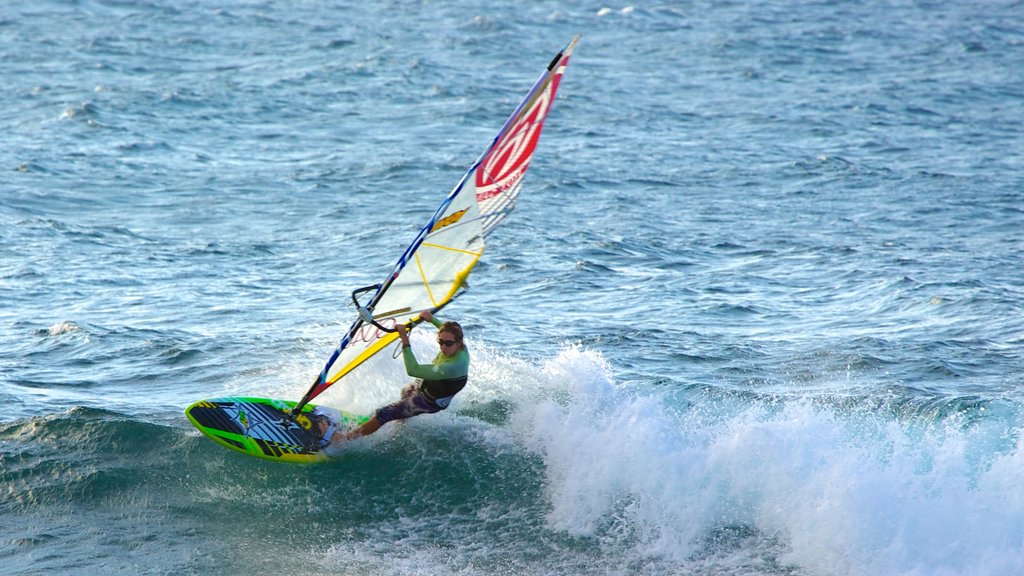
(413,403)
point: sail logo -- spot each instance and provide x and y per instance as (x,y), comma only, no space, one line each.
(508,160)
(368,333)
(448,220)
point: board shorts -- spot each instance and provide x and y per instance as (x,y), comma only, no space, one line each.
(413,403)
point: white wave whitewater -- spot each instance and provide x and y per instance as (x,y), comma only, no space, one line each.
(729,483)
(757,313)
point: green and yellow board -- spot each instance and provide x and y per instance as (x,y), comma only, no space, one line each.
(263,427)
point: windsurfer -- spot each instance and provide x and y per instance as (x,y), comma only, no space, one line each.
(435,386)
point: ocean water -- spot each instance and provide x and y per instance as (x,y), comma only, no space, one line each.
(760,311)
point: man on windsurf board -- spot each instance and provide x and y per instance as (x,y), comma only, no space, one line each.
(435,386)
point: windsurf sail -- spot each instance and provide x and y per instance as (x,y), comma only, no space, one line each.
(434,267)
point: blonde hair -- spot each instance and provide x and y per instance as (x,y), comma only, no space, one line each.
(452,327)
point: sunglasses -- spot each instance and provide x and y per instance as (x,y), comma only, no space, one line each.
(446,343)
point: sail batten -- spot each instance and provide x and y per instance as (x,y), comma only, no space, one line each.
(453,239)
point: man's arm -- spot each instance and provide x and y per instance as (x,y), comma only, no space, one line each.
(442,371)
(426,315)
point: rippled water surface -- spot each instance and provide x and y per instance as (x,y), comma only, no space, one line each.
(759,311)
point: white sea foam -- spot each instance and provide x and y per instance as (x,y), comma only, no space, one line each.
(842,492)
(64,327)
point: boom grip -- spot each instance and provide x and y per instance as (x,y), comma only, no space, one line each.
(366,312)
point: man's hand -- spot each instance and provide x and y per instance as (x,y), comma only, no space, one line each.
(403,334)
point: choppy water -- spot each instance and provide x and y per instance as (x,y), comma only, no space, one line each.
(759,312)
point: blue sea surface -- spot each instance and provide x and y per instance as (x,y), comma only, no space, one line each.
(759,312)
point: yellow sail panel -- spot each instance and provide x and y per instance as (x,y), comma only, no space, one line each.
(368,352)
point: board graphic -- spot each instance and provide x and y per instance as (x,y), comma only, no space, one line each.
(263,427)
